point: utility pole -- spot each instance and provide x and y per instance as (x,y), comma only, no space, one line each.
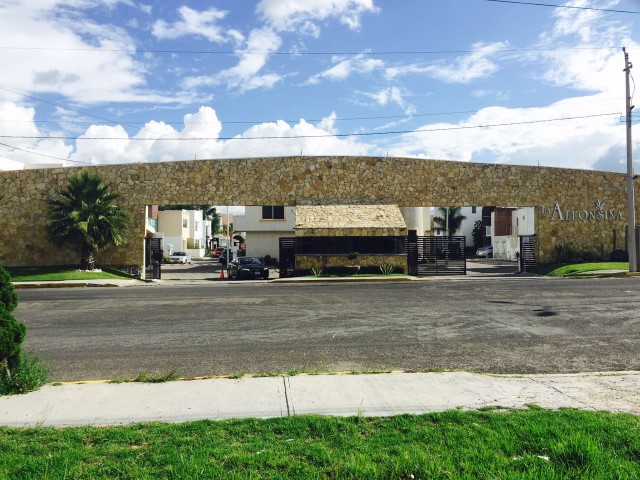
(631,210)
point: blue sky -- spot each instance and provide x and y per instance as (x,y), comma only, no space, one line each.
(117,81)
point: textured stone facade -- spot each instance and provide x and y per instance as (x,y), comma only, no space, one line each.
(349,220)
(317,181)
(307,262)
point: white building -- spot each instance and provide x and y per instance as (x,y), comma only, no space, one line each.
(471,214)
(263,227)
(182,231)
(505,241)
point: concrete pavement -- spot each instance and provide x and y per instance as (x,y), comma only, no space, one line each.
(343,395)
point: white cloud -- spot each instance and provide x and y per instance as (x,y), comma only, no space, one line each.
(245,75)
(464,69)
(344,68)
(193,23)
(110,75)
(391,95)
(303,15)
(572,143)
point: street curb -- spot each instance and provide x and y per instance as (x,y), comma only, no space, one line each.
(62,285)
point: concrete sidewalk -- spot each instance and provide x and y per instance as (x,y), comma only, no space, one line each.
(344,395)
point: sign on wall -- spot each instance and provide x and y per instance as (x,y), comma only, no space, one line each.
(600,213)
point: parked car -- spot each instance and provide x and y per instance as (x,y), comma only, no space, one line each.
(485,251)
(180,257)
(248,267)
(216,253)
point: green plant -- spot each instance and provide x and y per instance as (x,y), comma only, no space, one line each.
(12,333)
(562,252)
(85,214)
(454,216)
(8,295)
(353,255)
(235,376)
(316,272)
(619,255)
(476,234)
(293,372)
(387,268)
(27,374)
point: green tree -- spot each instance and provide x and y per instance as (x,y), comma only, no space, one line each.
(12,332)
(85,214)
(476,233)
(455,219)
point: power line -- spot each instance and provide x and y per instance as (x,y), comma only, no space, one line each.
(315,120)
(43,155)
(342,135)
(553,5)
(302,54)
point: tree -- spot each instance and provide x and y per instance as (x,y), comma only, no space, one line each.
(455,219)
(476,234)
(12,332)
(85,215)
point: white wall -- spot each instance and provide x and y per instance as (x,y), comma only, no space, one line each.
(252,221)
(523,221)
(262,236)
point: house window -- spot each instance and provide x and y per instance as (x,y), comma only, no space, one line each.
(473,209)
(184,223)
(195,227)
(272,212)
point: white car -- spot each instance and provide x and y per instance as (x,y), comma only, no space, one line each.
(180,257)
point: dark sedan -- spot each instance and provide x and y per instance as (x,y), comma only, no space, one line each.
(248,267)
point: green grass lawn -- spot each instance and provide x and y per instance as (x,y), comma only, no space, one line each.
(576,268)
(62,272)
(536,444)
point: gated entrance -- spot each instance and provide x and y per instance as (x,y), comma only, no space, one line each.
(436,255)
(287,258)
(527,259)
(153,258)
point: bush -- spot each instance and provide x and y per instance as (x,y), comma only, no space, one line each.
(28,373)
(8,294)
(619,256)
(12,333)
(563,253)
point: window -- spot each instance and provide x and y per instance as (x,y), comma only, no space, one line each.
(184,223)
(195,227)
(272,212)
(473,209)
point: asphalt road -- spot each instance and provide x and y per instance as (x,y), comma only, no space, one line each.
(501,325)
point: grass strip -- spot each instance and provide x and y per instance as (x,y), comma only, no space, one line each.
(62,272)
(578,268)
(533,443)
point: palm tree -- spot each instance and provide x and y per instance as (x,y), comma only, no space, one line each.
(455,219)
(84,214)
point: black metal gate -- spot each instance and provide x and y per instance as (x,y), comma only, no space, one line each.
(153,258)
(436,255)
(527,260)
(287,258)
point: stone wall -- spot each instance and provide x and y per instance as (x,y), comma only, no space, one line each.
(315,181)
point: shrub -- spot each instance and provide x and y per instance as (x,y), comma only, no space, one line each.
(387,269)
(316,272)
(12,333)
(8,295)
(353,255)
(562,252)
(619,256)
(28,373)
